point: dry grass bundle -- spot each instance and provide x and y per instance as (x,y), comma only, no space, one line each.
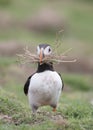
(28,57)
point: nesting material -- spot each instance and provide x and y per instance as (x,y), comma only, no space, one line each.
(29,57)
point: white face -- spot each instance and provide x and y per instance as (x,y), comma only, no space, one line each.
(46,51)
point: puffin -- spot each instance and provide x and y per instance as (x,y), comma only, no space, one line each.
(44,87)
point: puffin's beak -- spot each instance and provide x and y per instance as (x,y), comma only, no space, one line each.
(41,56)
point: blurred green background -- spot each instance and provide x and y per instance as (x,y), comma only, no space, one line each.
(31,22)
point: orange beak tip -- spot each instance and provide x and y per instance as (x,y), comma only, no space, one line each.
(41,56)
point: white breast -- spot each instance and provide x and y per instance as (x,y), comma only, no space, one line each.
(45,88)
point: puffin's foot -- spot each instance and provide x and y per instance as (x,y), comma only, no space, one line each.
(54,107)
(54,110)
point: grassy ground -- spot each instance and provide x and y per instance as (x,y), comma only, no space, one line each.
(75,109)
(73,113)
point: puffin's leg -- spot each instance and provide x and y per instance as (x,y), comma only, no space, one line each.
(34,109)
(54,107)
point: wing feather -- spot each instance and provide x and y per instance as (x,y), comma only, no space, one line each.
(62,81)
(26,86)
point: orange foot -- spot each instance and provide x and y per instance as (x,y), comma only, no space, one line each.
(54,109)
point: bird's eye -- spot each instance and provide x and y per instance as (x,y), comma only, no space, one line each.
(47,51)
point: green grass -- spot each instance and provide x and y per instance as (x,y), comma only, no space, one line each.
(74,105)
(81,22)
(27,37)
(79,19)
(6,61)
(78,82)
(76,113)
(4,3)
(77,109)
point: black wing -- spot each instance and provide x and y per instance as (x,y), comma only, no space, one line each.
(26,86)
(62,81)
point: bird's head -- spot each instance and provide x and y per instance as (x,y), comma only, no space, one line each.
(43,50)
